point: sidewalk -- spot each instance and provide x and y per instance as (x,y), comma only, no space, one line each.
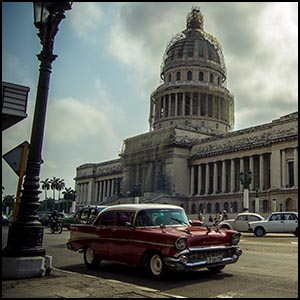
(65,284)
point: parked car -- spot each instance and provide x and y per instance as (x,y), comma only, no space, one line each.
(85,215)
(277,222)
(5,219)
(158,237)
(240,223)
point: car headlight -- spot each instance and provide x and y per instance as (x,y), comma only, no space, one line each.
(180,243)
(235,239)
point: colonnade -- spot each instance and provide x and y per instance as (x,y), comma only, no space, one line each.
(223,176)
(88,193)
(192,104)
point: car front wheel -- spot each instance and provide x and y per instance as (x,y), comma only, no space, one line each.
(259,231)
(156,266)
(216,269)
(90,260)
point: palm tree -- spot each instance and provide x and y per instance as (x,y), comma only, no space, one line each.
(53,186)
(69,194)
(45,186)
(60,186)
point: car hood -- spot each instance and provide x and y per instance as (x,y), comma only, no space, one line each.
(198,235)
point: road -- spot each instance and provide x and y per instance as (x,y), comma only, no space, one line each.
(268,268)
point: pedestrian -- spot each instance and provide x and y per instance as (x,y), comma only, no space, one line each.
(225,216)
(200,216)
(218,218)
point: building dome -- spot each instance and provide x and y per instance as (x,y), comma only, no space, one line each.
(194,46)
(193,92)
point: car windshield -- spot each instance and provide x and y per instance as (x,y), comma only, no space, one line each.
(157,217)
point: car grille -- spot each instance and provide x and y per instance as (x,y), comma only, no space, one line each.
(196,256)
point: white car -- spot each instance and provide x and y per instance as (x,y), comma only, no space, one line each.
(240,223)
(277,222)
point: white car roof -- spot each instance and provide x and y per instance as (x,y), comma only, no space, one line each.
(142,206)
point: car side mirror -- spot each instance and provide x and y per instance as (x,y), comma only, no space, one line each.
(128,224)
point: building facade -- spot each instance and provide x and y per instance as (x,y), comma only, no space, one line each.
(191,156)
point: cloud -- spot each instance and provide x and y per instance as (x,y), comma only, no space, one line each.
(86,18)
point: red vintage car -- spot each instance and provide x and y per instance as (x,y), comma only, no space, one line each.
(155,236)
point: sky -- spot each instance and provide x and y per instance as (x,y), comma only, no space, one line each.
(108,64)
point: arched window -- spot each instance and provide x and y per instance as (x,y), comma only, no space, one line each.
(201,76)
(208,208)
(178,76)
(189,75)
(235,207)
(193,208)
(211,78)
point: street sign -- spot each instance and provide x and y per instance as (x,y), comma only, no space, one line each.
(14,157)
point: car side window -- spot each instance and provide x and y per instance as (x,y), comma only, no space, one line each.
(93,213)
(85,214)
(242,218)
(124,217)
(254,218)
(275,218)
(143,219)
(290,217)
(108,218)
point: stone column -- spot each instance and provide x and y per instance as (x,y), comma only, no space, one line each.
(96,191)
(207,179)
(215,187)
(199,179)
(183,103)
(261,172)
(242,169)
(100,190)
(192,181)
(232,171)
(176,104)
(224,176)
(251,166)
(296,166)
(283,166)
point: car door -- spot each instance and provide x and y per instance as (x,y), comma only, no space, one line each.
(104,226)
(120,244)
(241,223)
(275,223)
(290,222)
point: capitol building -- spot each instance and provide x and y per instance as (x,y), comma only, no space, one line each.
(191,155)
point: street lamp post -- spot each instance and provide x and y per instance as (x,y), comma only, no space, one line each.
(245,181)
(25,235)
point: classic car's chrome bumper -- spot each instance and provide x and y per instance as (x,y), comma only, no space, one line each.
(196,258)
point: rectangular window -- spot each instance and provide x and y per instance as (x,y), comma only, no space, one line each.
(210,105)
(291,173)
(179,106)
(190,52)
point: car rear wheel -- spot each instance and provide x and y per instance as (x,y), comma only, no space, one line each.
(156,266)
(296,232)
(259,231)
(90,260)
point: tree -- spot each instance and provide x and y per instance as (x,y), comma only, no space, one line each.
(69,194)
(53,185)
(46,186)
(60,186)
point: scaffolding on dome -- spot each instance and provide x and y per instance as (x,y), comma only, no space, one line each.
(195,14)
